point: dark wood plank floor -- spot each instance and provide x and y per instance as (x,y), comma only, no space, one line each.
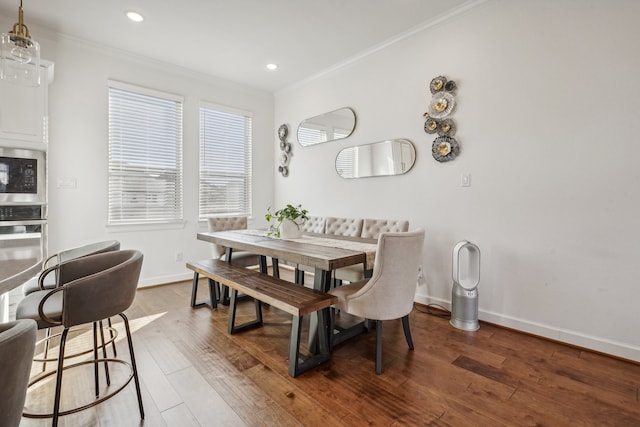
(195,374)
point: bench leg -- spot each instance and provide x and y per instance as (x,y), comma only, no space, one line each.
(232,328)
(213,301)
(298,363)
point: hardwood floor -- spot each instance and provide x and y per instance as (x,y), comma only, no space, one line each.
(194,374)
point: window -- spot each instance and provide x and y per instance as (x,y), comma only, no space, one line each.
(225,161)
(145,155)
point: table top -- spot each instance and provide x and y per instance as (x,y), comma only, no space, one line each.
(319,251)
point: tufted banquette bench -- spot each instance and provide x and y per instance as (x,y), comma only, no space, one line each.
(363,228)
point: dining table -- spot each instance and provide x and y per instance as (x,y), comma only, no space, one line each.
(324,253)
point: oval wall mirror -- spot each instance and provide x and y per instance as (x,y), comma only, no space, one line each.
(385,158)
(326,127)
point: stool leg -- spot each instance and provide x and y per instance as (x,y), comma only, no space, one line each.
(47,337)
(133,364)
(56,398)
(104,355)
(95,359)
(111,334)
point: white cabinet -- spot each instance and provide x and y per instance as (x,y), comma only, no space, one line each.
(23,110)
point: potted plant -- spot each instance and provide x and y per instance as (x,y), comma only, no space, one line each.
(288,221)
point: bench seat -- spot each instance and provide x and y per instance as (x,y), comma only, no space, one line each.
(289,297)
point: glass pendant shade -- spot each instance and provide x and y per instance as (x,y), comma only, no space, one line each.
(19,56)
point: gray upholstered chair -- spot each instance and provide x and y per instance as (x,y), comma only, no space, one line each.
(371,229)
(91,288)
(390,291)
(240,258)
(17,344)
(48,278)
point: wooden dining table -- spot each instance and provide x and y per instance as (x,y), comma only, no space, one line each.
(325,253)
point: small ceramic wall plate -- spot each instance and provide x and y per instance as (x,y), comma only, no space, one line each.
(441,105)
(283,131)
(437,84)
(445,149)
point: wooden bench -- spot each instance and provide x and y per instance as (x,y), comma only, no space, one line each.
(289,297)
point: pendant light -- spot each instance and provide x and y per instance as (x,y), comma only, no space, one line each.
(20,55)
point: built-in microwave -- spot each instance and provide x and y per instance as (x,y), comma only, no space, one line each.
(22,176)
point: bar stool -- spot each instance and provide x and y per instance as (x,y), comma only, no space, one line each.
(91,289)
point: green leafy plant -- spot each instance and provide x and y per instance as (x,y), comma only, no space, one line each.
(294,213)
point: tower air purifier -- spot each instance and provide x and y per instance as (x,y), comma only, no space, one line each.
(464,294)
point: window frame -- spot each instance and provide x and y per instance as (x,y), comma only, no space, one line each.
(247,162)
(177,216)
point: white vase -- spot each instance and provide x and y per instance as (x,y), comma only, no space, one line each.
(290,229)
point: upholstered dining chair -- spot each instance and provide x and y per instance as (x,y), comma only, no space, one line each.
(371,229)
(390,291)
(17,344)
(239,258)
(91,288)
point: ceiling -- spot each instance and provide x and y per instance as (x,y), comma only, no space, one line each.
(235,39)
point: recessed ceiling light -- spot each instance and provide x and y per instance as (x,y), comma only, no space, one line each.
(272,67)
(135,16)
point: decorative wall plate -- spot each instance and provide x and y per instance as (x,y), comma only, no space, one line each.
(450,86)
(431,126)
(445,149)
(284,159)
(441,105)
(446,127)
(437,84)
(283,131)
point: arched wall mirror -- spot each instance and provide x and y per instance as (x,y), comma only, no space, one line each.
(392,157)
(326,127)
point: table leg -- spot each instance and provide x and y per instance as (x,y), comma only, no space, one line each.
(322,283)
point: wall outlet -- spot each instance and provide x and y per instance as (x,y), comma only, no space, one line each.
(178,256)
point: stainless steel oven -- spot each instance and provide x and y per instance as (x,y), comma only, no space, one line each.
(23,214)
(22,176)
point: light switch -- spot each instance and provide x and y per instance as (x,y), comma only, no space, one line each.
(465,180)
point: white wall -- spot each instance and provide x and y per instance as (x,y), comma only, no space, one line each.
(78,148)
(547,117)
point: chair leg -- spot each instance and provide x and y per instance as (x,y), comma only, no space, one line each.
(378,347)
(56,398)
(133,364)
(407,331)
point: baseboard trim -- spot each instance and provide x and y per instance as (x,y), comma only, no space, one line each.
(576,339)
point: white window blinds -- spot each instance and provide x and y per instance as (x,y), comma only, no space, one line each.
(225,161)
(145,155)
